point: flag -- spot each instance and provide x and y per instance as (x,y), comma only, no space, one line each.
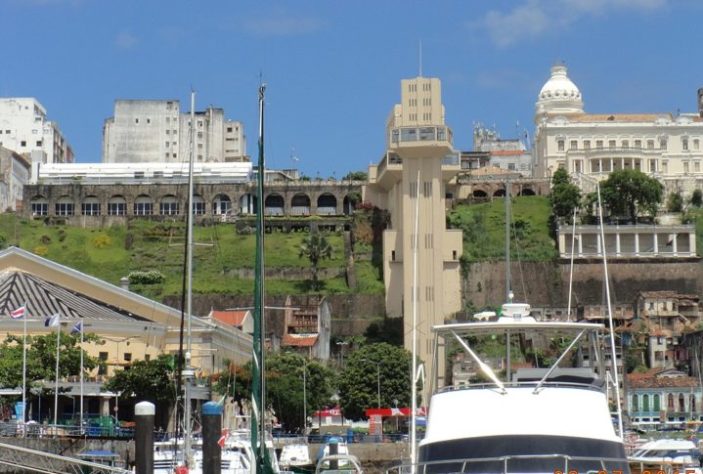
(52,321)
(77,328)
(19,312)
(223,438)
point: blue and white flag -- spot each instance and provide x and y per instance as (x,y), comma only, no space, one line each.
(77,328)
(52,321)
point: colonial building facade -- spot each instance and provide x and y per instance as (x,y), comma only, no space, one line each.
(663,145)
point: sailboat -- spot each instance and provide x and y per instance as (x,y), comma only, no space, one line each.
(551,418)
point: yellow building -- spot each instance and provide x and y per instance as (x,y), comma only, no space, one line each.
(413,174)
(129,327)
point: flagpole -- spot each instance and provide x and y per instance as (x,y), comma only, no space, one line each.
(56,381)
(24,367)
(81,404)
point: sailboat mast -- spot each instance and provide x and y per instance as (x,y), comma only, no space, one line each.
(258,422)
(508,277)
(189,286)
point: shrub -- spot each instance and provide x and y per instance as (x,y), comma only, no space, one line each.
(41,250)
(62,235)
(45,239)
(146,278)
(101,241)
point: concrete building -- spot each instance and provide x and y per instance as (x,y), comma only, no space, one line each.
(148,131)
(511,154)
(663,145)
(14,174)
(410,182)
(25,129)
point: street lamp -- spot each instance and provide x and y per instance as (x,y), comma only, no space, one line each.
(378,381)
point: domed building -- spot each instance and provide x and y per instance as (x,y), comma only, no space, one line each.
(589,145)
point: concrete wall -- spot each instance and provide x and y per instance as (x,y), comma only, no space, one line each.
(547,283)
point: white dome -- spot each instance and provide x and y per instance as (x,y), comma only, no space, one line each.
(559,94)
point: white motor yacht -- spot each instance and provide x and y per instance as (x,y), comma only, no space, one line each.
(536,420)
(667,455)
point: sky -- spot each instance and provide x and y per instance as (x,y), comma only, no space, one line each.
(332,68)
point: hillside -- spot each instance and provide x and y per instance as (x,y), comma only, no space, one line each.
(222,264)
(484,230)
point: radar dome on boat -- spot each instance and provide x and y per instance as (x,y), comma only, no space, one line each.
(516,312)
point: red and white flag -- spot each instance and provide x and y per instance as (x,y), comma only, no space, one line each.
(223,438)
(19,312)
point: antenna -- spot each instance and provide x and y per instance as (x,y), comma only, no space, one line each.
(420,58)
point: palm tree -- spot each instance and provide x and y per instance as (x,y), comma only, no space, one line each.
(315,247)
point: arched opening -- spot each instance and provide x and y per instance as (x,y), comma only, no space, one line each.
(300,205)
(682,403)
(645,402)
(499,193)
(692,403)
(64,206)
(527,192)
(635,403)
(273,205)
(670,402)
(248,204)
(39,206)
(657,404)
(143,205)
(117,206)
(90,206)
(222,204)
(326,205)
(198,205)
(479,193)
(168,205)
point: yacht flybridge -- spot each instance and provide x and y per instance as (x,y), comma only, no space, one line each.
(538,418)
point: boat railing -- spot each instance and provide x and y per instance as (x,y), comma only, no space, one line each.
(559,464)
(596,384)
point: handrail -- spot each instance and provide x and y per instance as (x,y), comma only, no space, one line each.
(466,462)
(20,457)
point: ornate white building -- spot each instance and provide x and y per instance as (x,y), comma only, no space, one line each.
(25,129)
(662,145)
(148,131)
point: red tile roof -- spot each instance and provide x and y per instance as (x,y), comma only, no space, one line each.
(230,318)
(298,341)
(658,378)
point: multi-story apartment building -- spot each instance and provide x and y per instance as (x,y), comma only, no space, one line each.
(148,131)
(663,145)
(410,182)
(505,153)
(14,174)
(25,129)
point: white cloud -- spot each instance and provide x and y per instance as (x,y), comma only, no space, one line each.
(534,18)
(281,25)
(126,40)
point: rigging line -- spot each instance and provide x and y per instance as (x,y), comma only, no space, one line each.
(519,263)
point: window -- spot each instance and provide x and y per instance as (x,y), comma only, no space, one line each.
(229,129)
(625,144)
(663,144)
(587,144)
(611,144)
(696,144)
(102,366)
(64,208)
(573,145)
(638,143)
(599,144)
(128,357)
(167,143)
(90,208)
(40,208)
(168,207)
(652,165)
(168,132)
(685,166)
(696,166)
(147,357)
(560,145)
(116,208)
(38,142)
(136,120)
(657,405)
(684,143)
(143,206)
(23,143)
(650,144)
(645,402)
(148,120)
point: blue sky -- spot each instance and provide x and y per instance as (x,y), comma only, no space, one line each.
(333,68)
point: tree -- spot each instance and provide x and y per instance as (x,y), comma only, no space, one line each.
(356,176)
(315,247)
(388,330)
(150,380)
(565,196)
(41,358)
(697,198)
(674,202)
(629,192)
(373,370)
(284,386)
